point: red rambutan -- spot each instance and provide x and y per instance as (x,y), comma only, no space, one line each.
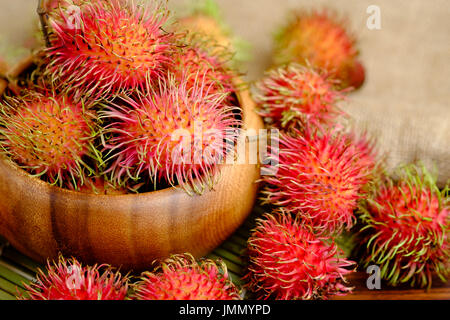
(180,277)
(407,228)
(208,24)
(321,40)
(200,57)
(287,261)
(206,20)
(295,94)
(69,280)
(320,177)
(108,47)
(369,158)
(175,134)
(49,135)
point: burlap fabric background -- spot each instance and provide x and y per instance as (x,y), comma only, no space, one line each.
(405,101)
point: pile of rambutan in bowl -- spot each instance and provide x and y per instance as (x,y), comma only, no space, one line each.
(113,138)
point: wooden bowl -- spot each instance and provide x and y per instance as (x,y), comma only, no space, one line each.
(129,231)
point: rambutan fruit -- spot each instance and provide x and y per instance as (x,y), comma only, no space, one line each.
(207,26)
(369,157)
(287,261)
(407,228)
(320,177)
(201,58)
(171,134)
(293,95)
(206,20)
(108,47)
(50,135)
(67,279)
(180,277)
(320,39)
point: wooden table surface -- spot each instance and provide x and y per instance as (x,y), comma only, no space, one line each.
(438,291)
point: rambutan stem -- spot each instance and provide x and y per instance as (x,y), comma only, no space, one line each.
(43,20)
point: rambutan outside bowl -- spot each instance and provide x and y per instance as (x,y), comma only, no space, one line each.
(128,231)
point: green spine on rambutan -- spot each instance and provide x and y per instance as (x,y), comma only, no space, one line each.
(108,47)
(68,279)
(141,138)
(181,277)
(320,38)
(406,230)
(51,136)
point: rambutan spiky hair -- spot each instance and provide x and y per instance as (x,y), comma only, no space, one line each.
(205,19)
(287,261)
(99,185)
(407,228)
(320,177)
(319,38)
(67,279)
(205,58)
(175,134)
(107,47)
(180,277)
(51,5)
(50,135)
(294,95)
